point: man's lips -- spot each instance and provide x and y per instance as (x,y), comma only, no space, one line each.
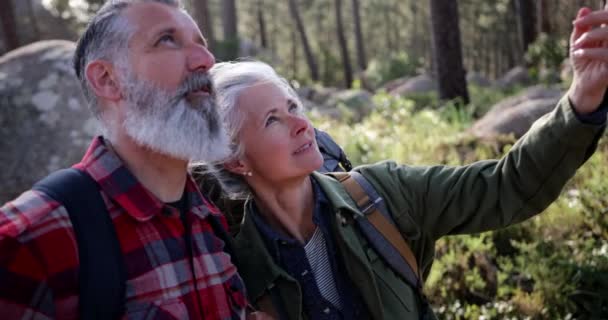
(203,91)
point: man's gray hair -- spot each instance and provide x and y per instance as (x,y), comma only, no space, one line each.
(106,37)
(230,79)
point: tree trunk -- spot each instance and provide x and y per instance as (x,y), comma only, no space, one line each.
(32,20)
(447,50)
(9,25)
(388,24)
(526,10)
(348,71)
(204,20)
(262,24)
(361,59)
(294,55)
(516,52)
(231,36)
(544,16)
(310,59)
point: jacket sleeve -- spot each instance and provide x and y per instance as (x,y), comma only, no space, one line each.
(490,194)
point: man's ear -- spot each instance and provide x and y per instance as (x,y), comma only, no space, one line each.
(103,80)
(236,166)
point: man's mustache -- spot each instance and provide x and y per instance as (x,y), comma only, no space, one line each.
(193,82)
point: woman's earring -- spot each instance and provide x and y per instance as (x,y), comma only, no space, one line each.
(248,173)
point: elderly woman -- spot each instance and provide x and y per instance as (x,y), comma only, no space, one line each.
(299,252)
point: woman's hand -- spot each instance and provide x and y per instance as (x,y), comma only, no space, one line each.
(589,58)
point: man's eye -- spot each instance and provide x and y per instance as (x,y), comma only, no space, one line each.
(294,108)
(166,39)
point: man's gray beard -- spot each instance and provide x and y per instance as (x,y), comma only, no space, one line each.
(170,125)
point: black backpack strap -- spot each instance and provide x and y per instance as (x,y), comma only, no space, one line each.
(102,274)
(377,225)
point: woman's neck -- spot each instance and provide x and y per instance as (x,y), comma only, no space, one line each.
(289,209)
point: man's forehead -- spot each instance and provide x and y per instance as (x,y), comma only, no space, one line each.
(151,17)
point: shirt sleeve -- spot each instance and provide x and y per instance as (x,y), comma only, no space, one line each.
(30,226)
(596,117)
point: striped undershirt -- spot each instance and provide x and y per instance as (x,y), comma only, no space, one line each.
(316,252)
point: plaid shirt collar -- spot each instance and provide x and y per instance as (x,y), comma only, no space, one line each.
(119,184)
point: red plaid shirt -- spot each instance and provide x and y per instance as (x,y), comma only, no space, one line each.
(39,255)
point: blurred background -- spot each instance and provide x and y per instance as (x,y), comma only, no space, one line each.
(421,82)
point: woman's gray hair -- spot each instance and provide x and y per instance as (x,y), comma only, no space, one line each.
(230,79)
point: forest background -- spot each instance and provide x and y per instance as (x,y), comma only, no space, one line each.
(420,82)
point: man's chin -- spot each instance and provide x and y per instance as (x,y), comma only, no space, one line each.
(201,149)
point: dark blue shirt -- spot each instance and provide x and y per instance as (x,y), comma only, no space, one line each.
(290,255)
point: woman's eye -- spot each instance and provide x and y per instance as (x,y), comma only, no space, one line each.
(271,120)
(294,108)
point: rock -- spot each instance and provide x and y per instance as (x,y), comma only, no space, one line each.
(320,95)
(477,79)
(516,114)
(394,84)
(418,84)
(358,102)
(517,76)
(45,123)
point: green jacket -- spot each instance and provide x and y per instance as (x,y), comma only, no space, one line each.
(428,202)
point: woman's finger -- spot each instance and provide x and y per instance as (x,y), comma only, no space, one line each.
(578,31)
(597,54)
(591,38)
(595,18)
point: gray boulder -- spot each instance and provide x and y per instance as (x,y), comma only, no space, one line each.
(515,115)
(517,76)
(418,84)
(477,79)
(45,123)
(356,104)
(394,84)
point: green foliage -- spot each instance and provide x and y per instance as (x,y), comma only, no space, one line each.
(554,266)
(546,53)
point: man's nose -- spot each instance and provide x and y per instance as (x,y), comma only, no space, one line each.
(200,58)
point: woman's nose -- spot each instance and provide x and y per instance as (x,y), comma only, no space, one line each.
(300,124)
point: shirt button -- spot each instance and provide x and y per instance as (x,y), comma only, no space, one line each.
(327,310)
(305,272)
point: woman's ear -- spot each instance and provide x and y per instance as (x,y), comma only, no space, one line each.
(236,166)
(103,80)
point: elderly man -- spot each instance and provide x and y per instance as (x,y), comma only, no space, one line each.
(143,68)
